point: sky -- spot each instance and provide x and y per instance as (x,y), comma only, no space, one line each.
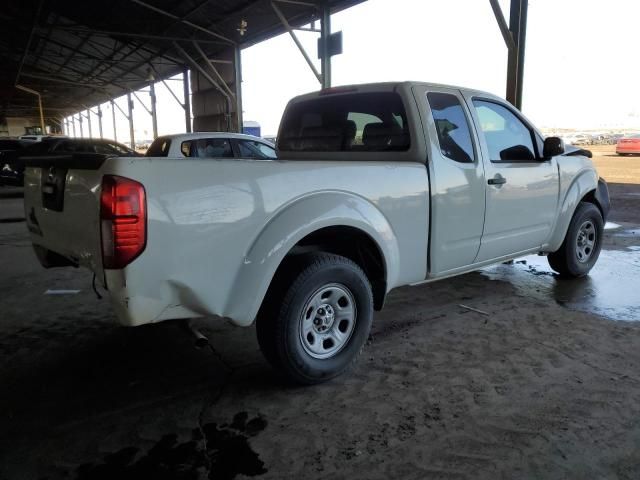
(582,69)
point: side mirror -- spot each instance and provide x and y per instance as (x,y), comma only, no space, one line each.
(553,146)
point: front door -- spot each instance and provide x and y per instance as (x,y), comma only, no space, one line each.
(521,188)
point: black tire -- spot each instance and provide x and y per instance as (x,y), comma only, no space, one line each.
(570,260)
(280,322)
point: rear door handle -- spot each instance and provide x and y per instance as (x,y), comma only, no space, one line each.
(497,180)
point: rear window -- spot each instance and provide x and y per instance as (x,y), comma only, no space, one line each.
(40,148)
(10,145)
(159,147)
(361,122)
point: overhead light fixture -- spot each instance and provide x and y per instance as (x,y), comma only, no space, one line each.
(243,27)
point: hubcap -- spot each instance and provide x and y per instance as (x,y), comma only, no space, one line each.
(586,241)
(328,320)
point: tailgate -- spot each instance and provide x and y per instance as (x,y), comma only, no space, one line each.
(62,209)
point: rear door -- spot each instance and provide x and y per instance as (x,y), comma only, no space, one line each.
(521,188)
(456,176)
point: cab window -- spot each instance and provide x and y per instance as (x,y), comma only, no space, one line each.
(508,138)
(359,122)
(452,127)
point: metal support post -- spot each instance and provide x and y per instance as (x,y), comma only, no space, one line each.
(238,87)
(325,32)
(33,92)
(80,120)
(187,99)
(522,40)
(154,117)
(113,115)
(73,124)
(515,65)
(131,135)
(89,122)
(210,79)
(100,121)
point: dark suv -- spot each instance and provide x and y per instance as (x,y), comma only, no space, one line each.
(12,165)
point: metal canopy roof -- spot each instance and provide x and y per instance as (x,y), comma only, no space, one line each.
(79,53)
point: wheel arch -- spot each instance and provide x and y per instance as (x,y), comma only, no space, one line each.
(322,220)
(583,187)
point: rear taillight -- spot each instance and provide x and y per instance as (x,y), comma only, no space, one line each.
(123,217)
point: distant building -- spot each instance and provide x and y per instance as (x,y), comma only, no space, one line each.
(251,128)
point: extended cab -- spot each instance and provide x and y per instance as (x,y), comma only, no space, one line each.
(375,186)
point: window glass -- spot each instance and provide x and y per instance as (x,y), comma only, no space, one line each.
(120,149)
(10,145)
(452,126)
(253,149)
(67,146)
(365,122)
(508,139)
(105,149)
(211,148)
(361,120)
(185,148)
(159,147)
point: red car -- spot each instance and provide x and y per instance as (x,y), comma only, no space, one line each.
(629,145)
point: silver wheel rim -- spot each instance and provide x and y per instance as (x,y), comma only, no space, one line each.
(328,320)
(586,241)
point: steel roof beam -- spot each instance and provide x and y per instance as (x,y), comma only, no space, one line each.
(28,45)
(184,21)
(111,34)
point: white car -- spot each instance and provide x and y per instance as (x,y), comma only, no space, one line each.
(376,186)
(38,138)
(212,145)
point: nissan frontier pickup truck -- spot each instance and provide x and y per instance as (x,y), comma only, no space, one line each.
(375,187)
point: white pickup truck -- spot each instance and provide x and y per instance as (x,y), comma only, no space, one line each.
(375,186)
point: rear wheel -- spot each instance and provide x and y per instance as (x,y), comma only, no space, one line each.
(581,247)
(321,322)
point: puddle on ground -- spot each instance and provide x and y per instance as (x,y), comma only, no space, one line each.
(612,288)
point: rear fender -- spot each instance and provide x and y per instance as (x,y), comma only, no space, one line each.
(291,224)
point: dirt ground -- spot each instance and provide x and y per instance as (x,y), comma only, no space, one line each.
(537,386)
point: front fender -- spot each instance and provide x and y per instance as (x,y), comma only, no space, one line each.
(579,186)
(292,223)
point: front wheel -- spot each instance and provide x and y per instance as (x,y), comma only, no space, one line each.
(581,247)
(323,320)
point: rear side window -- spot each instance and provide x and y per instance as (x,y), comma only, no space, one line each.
(452,125)
(159,147)
(253,149)
(360,122)
(207,148)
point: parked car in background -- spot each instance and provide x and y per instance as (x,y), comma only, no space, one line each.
(212,145)
(13,169)
(9,151)
(629,145)
(39,138)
